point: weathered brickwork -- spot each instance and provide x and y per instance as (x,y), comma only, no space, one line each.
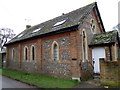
(110,72)
(47,44)
(46,55)
(63,42)
(65,54)
(57,69)
(30,67)
(13,63)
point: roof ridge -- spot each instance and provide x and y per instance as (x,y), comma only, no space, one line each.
(93,3)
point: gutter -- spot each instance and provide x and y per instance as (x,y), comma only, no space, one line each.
(101,44)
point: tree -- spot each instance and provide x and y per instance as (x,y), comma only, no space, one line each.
(5,35)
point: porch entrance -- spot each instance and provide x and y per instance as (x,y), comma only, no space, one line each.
(97,53)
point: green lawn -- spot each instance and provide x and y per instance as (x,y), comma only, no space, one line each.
(40,81)
(0,71)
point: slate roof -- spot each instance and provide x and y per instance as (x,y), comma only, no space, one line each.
(105,38)
(67,20)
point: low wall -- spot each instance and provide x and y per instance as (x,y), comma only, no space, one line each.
(110,73)
(86,70)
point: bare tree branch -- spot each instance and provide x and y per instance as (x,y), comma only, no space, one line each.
(5,35)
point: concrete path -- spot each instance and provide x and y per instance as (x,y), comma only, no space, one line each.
(6,82)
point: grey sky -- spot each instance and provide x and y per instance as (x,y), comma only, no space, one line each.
(15,14)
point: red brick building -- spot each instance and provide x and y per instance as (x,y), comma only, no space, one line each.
(58,47)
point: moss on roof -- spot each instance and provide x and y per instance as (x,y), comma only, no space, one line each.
(104,38)
(72,18)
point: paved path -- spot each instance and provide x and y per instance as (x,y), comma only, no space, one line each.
(91,83)
(6,82)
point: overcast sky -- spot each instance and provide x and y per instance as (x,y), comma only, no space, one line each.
(15,14)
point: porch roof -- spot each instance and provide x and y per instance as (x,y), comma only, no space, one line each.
(105,38)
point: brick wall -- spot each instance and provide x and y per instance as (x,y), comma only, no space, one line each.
(110,73)
(43,63)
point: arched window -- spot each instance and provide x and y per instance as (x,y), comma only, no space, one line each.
(84,45)
(13,54)
(32,52)
(26,53)
(92,25)
(55,51)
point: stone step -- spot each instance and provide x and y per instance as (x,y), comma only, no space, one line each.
(96,76)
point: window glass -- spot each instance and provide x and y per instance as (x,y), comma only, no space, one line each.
(26,53)
(13,54)
(33,53)
(84,45)
(55,51)
(92,25)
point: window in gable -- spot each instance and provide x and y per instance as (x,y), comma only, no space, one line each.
(92,25)
(59,23)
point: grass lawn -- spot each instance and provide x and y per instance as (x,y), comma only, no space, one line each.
(0,71)
(40,81)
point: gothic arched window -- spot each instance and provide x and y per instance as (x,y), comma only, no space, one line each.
(92,25)
(55,51)
(13,54)
(84,45)
(26,53)
(32,53)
